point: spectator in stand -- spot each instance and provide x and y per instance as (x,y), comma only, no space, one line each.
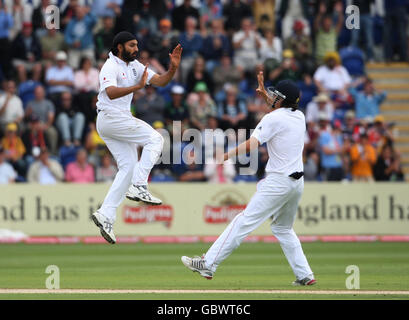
(45,170)
(6,23)
(332,77)
(320,104)
(209,11)
(51,43)
(326,32)
(291,11)
(26,51)
(363,157)
(145,58)
(226,72)
(331,151)
(191,42)
(234,12)
(380,133)
(387,166)
(107,8)
(149,107)
(44,110)
(197,74)
(14,149)
(21,11)
(395,22)
(106,172)
(104,39)
(59,78)
(366,26)
(367,102)
(351,128)
(80,171)
(86,84)
(215,44)
(7,172)
(11,106)
(232,112)
(288,69)
(33,139)
(39,17)
(70,121)
(216,172)
(177,109)
(301,45)
(79,37)
(201,107)
(271,46)
(264,14)
(246,44)
(162,42)
(190,171)
(69,13)
(181,13)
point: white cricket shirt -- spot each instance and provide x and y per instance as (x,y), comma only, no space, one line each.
(283,131)
(115,72)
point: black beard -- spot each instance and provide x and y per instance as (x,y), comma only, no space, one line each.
(128,57)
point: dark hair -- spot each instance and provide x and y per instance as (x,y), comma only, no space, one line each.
(82,61)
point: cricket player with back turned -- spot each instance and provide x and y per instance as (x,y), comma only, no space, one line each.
(278,194)
(120,77)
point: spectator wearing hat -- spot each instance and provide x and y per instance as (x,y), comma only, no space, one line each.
(70,121)
(201,106)
(367,102)
(177,110)
(45,170)
(332,77)
(149,107)
(319,104)
(246,44)
(80,171)
(44,110)
(326,31)
(14,149)
(288,69)
(78,37)
(363,157)
(162,42)
(215,44)
(198,73)
(387,166)
(232,111)
(7,172)
(271,46)
(291,11)
(26,51)
(11,106)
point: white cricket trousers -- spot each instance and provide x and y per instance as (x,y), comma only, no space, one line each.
(123,133)
(277,197)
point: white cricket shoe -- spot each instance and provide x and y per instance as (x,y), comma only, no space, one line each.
(105,226)
(141,193)
(197,264)
(307,281)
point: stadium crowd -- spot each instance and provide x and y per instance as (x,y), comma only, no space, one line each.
(50,83)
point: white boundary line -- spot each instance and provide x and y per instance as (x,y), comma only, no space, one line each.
(125,291)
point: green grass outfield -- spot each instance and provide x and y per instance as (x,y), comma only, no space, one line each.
(252,267)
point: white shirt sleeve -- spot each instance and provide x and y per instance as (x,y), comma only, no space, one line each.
(266,129)
(107,76)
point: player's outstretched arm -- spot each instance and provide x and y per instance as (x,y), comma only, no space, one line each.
(163,79)
(262,91)
(117,92)
(242,148)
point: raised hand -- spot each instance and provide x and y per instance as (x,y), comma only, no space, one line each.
(261,90)
(144,79)
(175,56)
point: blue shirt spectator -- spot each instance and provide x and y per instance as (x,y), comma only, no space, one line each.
(367,102)
(216,43)
(6,22)
(106,8)
(190,40)
(332,142)
(78,30)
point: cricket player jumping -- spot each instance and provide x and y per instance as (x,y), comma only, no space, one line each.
(119,78)
(278,194)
